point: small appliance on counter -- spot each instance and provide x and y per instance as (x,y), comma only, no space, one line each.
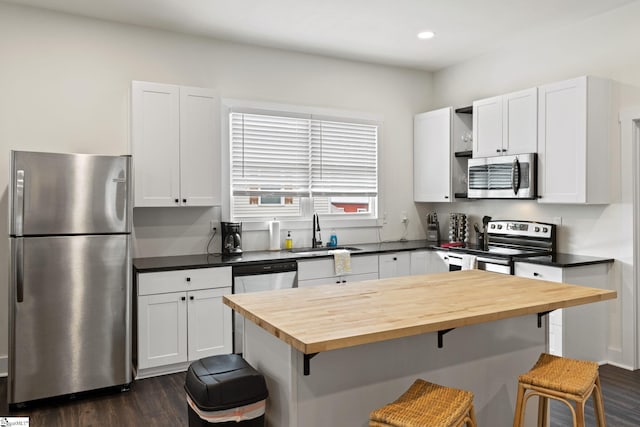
(433,228)
(231,238)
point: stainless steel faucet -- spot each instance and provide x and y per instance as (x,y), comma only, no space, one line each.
(316,240)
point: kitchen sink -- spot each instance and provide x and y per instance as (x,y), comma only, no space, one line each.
(321,251)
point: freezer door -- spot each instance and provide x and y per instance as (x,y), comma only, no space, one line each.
(53,193)
(70,305)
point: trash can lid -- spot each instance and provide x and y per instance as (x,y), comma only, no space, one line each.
(223,382)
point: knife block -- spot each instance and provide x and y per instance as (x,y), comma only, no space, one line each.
(433,232)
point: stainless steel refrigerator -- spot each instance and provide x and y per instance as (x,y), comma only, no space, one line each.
(70,274)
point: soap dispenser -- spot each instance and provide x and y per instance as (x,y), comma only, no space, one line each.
(288,243)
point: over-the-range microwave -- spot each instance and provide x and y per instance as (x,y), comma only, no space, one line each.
(503,177)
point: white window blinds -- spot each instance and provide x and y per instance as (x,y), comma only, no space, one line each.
(344,159)
(275,155)
(269,155)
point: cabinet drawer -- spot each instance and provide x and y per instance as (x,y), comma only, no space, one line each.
(183,280)
(320,268)
(536,271)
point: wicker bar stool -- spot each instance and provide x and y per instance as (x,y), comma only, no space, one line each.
(427,404)
(562,379)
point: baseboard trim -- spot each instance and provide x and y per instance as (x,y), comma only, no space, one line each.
(4,366)
(620,365)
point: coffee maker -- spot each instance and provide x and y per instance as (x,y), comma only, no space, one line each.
(231,238)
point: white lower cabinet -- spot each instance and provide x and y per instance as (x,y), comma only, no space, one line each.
(322,271)
(427,262)
(577,332)
(395,264)
(439,262)
(181,318)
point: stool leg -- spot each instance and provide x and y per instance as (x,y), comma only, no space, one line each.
(580,414)
(599,404)
(543,404)
(472,417)
(519,413)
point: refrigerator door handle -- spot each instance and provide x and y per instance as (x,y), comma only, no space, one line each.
(19,270)
(19,203)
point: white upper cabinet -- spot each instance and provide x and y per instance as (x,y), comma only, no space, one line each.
(175,146)
(506,124)
(520,122)
(487,127)
(573,133)
(432,156)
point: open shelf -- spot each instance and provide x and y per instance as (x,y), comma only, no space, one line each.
(467,153)
(464,110)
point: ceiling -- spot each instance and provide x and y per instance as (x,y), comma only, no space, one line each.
(378,31)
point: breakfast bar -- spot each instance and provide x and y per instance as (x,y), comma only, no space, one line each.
(332,353)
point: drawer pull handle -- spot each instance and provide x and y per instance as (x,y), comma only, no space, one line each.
(536,274)
(395,259)
(191,297)
(183,298)
(188,279)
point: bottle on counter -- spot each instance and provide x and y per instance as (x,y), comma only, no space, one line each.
(333,239)
(288,243)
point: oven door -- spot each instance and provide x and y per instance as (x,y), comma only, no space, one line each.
(497,265)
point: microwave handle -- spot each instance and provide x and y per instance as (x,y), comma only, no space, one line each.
(515,176)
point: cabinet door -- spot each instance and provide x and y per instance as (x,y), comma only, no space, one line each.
(438,262)
(209,323)
(162,329)
(520,121)
(562,136)
(419,262)
(394,265)
(199,148)
(155,144)
(432,156)
(487,127)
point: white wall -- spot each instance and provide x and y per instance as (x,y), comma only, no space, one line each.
(64,85)
(603,46)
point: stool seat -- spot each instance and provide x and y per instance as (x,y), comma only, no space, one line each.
(426,404)
(562,374)
(562,379)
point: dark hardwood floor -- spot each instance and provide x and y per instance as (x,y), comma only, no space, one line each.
(161,401)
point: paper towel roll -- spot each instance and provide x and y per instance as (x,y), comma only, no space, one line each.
(274,235)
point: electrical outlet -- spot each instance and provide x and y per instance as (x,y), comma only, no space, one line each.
(384,217)
(215,226)
(404,219)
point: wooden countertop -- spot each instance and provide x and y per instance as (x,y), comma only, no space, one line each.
(330,317)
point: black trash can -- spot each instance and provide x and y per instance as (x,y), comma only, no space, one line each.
(225,391)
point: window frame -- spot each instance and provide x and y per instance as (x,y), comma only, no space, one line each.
(353,220)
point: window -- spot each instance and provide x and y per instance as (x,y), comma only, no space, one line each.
(291,165)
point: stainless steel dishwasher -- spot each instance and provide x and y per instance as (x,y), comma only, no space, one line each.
(256,277)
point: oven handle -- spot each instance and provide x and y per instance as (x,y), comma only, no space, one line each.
(498,261)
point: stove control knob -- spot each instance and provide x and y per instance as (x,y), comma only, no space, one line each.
(493,226)
(537,229)
(499,227)
(545,229)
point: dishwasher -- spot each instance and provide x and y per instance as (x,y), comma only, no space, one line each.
(255,277)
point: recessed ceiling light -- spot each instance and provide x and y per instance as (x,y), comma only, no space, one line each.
(425,35)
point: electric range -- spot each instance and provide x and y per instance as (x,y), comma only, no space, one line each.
(507,241)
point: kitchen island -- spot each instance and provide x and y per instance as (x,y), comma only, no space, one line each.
(332,353)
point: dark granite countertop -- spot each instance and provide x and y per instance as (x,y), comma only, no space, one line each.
(181,262)
(566,260)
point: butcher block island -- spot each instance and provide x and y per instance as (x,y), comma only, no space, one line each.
(332,353)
